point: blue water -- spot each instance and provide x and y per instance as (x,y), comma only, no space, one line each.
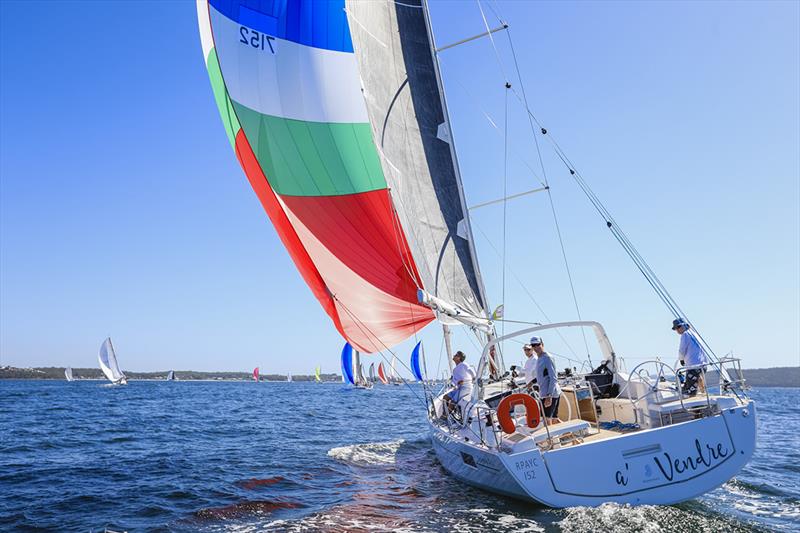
(211,456)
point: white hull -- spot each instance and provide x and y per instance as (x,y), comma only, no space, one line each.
(657,466)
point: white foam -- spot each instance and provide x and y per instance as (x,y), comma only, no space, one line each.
(376,453)
(611,517)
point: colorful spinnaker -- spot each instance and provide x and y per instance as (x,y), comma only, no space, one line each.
(347,364)
(316,374)
(255,374)
(382,374)
(350,154)
(416,354)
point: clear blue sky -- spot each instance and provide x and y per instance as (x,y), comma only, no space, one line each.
(124,212)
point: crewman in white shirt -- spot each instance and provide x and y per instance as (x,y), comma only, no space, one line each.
(530,366)
(692,356)
(463,379)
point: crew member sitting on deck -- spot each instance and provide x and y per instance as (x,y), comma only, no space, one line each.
(547,377)
(692,356)
(463,377)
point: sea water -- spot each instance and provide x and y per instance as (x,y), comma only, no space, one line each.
(230,456)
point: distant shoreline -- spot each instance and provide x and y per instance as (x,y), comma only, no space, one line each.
(786,376)
(86,374)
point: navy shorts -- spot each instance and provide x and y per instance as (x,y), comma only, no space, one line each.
(552,411)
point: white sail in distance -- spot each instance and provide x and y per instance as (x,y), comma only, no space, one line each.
(108,363)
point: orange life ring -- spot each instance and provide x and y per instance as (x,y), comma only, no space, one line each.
(532,415)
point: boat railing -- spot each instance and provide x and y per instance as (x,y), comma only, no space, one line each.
(663,379)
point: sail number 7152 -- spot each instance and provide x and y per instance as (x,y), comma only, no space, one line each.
(256,39)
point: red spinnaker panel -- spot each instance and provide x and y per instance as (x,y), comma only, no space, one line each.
(352,253)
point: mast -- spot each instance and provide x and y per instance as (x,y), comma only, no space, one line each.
(498,358)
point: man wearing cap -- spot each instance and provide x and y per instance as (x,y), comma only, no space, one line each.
(530,366)
(547,377)
(692,356)
(463,377)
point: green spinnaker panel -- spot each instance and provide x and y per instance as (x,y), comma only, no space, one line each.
(303,158)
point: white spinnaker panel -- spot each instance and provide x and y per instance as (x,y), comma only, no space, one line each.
(406,111)
(108,361)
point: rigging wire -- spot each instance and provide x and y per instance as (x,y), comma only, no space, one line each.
(641,264)
(527,291)
(541,164)
(505,202)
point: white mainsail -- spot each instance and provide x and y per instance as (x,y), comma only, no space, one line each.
(68,374)
(171,375)
(109,365)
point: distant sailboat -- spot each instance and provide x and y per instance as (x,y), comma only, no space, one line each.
(289,377)
(109,365)
(352,370)
(372,377)
(394,377)
(316,375)
(68,374)
(171,375)
(382,374)
(255,374)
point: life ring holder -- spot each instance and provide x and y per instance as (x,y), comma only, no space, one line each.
(532,412)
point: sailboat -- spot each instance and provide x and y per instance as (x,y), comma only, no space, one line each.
(352,369)
(337,113)
(255,374)
(289,377)
(382,374)
(394,377)
(171,375)
(109,365)
(317,377)
(372,377)
(68,373)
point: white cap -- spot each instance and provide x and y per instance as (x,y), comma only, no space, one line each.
(536,340)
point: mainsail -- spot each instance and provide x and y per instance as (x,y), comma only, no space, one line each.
(360,181)
(171,375)
(108,362)
(255,374)
(316,375)
(372,377)
(68,373)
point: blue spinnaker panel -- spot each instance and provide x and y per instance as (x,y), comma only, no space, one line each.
(415,368)
(347,363)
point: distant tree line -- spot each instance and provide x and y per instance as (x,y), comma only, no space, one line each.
(57,372)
